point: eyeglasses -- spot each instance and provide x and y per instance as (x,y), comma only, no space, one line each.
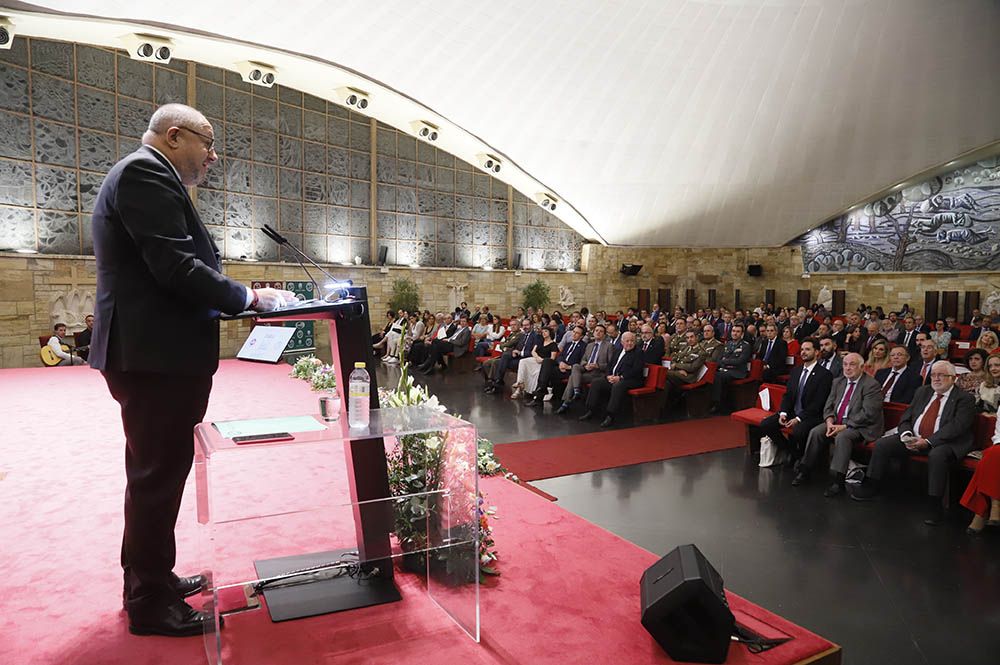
(939,375)
(210,146)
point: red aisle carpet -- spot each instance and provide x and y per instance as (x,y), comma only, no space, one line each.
(580,453)
(569,591)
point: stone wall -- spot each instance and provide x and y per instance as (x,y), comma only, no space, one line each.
(32,286)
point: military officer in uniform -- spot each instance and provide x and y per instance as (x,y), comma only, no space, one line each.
(732,365)
(711,345)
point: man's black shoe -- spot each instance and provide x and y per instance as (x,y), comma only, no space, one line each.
(178,619)
(836,489)
(563,408)
(188,586)
(867,491)
(586,416)
(935,511)
(607,421)
(800,478)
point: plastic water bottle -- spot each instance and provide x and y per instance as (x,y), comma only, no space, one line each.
(359,387)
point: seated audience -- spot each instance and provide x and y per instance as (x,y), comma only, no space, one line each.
(793,344)
(988,342)
(853,414)
(878,357)
(420,348)
(873,335)
(686,364)
(938,423)
(710,343)
(941,338)
(594,365)
(510,350)
(772,351)
(828,356)
(975,360)
(554,370)
(982,495)
(839,334)
(457,343)
(57,342)
(985,325)
(802,406)
(390,318)
(732,365)
(84,336)
(610,391)
(484,323)
(899,380)
(529,368)
(414,332)
(988,392)
(908,336)
(889,329)
(614,336)
(651,345)
(925,361)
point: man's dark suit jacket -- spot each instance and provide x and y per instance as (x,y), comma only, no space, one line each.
(572,358)
(905,386)
(735,358)
(779,352)
(840,338)
(870,342)
(158,274)
(654,354)
(630,368)
(957,418)
(911,346)
(814,394)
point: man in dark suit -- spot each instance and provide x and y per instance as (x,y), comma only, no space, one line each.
(853,414)
(650,345)
(828,356)
(84,337)
(839,334)
(809,325)
(593,365)
(938,423)
(899,381)
(552,372)
(510,358)
(724,328)
(873,335)
(732,365)
(773,351)
(158,269)
(908,337)
(984,324)
(457,344)
(624,374)
(802,406)
(513,340)
(924,361)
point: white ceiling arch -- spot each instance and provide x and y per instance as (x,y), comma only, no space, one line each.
(664,122)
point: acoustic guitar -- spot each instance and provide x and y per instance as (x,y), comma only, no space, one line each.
(49,357)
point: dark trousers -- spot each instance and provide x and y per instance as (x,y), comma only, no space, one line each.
(437,351)
(939,462)
(795,442)
(601,392)
(505,362)
(418,352)
(549,376)
(483,347)
(159,413)
(722,379)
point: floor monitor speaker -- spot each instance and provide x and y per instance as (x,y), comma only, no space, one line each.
(630,269)
(684,607)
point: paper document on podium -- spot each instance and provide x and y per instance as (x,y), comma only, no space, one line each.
(291,424)
(266,343)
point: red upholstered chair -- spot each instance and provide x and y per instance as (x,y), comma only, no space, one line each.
(958,349)
(648,399)
(753,416)
(743,392)
(697,395)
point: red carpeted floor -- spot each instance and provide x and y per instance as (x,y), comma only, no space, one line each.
(580,453)
(569,591)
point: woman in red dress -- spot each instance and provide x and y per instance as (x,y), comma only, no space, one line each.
(982,496)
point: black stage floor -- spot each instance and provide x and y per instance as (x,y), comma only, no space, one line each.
(870,577)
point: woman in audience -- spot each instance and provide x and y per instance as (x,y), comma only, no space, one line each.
(889,330)
(988,392)
(854,342)
(982,496)
(878,357)
(988,342)
(483,325)
(414,332)
(661,330)
(975,360)
(941,338)
(788,335)
(528,368)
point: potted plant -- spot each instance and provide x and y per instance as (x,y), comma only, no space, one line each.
(536,295)
(404,296)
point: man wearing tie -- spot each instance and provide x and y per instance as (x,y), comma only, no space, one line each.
(597,356)
(828,356)
(802,406)
(724,329)
(553,372)
(773,352)
(923,363)
(938,423)
(899,381)
(908,337)
(853,414)
(625,374)
(873,336)
(456,343)
(651,346)
(509,359)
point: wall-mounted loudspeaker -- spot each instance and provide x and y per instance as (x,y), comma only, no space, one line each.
(383,252)
(517,261)
(684,607)
(755,270)
(630,269)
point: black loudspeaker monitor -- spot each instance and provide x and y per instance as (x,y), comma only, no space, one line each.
(684,607)
(631,269)
(755,270)
(383,252)
(517,261)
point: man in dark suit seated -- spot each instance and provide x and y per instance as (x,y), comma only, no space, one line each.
(924,361)
(874,335)
(802,406)
(853,414)
(899,381)
(159,269)
(908,337)
(938,423)
(985,324)
(732,365)
(84,337)
(651,346)
(514,337)
(828,356)
(594,365)
(611,390)
(457,343)
(839,334)
(553,372)
(773,351)
(497,369)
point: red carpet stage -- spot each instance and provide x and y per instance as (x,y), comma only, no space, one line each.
(569,591)
(580,453)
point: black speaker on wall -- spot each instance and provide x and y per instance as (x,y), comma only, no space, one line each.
(630,269)
(684,607)
(755,270)
(383,252)
(517,261)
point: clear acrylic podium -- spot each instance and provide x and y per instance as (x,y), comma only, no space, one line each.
(277,524)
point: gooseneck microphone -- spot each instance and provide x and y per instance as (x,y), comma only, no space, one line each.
(338,285)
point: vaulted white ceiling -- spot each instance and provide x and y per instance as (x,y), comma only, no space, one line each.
(664,122)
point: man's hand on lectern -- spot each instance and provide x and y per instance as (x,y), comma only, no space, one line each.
(271,299)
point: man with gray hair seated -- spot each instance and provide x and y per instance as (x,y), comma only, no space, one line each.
(853,414)
(938,423)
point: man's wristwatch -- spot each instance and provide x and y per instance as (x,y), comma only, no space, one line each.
(256,299)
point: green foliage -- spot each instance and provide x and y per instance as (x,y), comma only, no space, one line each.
(536,295)
(404,295)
